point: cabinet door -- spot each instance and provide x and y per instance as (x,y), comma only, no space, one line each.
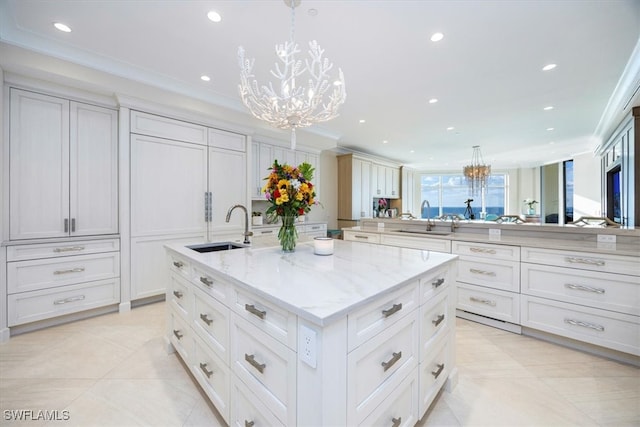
(168,185)
(377,180)
(393,182)
(361,189)
(94,170)
(265,161)
(38,166)
(228,187)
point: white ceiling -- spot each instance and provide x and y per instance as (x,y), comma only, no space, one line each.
(486,72)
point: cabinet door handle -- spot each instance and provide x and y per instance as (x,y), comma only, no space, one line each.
(394,309)
(178,264)
(177,333)
(584,288)
(388,364)
(177,294)
(588,261)
(207,372)
(206,319)
(73,225)
(248,423)
(71,270)
(68,249)
(206,281)
(253,310)
(266,232)
(252,361)
(575,322)
(396,421)
(438,371)
(438,320)
(70,299)
(483,272)
(361,237)
(438,282)
(483,301)
(66,225)
(483,250)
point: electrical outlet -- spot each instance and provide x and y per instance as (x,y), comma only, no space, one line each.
(307,338)
(381,225)
(494,232)
(606,238)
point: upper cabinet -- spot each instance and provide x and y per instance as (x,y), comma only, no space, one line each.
(63,167)
(385,181)
(354,188)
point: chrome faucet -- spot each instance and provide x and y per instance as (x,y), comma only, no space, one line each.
(454,222)
(247,233)
(426,202)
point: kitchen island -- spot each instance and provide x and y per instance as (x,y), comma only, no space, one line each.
(361,337)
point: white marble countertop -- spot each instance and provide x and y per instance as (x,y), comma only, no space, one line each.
(318,288)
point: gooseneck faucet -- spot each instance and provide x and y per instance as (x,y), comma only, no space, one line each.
(247,233)
(426,202)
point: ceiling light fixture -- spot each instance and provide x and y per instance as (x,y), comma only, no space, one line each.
(205,78)
(436,37)
(550,107)
(477,173)
(287,105)
(549,67)
(433,100)
(214,16)
(62,27)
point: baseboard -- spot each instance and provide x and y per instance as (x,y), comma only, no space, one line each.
(500,324)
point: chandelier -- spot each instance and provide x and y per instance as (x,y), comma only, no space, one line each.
(289,104)
(477,173)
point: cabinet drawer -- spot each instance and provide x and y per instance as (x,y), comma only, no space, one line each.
(435,320)
(269,318)
(211,322)
(436,282)
(28,307)
(247,410)
(359,236)
(272,231)
(60,249)
(424,243)
(496,274)
(433,373)
(179,296)
(52,272)
(606,291)
(266,366)
(375,317)
(180,336)
(400,409)
(486,250)
(378,366)
(582,260)
(179,265)
(489,302)
(600,327)
(213,375)
(164,127)
(210,284)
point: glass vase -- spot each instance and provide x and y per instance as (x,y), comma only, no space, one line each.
(288,234)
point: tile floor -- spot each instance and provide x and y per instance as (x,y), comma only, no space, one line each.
(113,370)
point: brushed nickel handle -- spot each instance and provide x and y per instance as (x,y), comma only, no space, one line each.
(253,310)
(361,237)
(388,364)
(438,371)
(584,288)
(266,232)
(483,272)
(394,309)
(252,361)
(71,270)
(248,423)
(438,320)
(575,322)
(483,250)
(178,264)
(177,333)
(438,282)
(396,421)
(73,225)
(178,294)
(483,301)
(66,225)
(588,261)
(68,249)
(69,299)
(206,319)
(207,372)
(206,281)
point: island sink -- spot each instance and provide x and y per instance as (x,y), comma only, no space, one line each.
(215,247)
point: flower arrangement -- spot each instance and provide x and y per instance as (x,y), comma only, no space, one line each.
(530,203)
(382,204)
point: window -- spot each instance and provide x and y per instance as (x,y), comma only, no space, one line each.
(448,194)
(568,191)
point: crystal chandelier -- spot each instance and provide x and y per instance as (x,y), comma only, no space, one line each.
(287,104)
(477,173)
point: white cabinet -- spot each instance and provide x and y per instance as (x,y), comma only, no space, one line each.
(63,168)
(408,191)
(354,188)
(385,181)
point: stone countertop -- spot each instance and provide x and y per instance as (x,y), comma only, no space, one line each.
(539,239)
(320,289)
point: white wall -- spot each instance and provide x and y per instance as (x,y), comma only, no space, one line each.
(587,191)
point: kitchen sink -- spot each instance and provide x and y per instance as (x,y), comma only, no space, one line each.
(215,247)
(425,232)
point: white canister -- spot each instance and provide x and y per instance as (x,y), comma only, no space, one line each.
(323,246)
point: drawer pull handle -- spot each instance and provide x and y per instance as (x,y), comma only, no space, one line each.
(252,361)
(70,299)
(207,372)
(206,281)
(392,361)
(71,270)
(574,322)
(248,423)
(483,272)
(588,261)
(69,249)
(483,250)
(177,334)
(206,319)
(177,294)
(396,308)
(178,264)
(253,310)
(265,232)
(483,301)
(584,288)
(438,282)
(437,372)
(396,421)
(361,237)
(438,320)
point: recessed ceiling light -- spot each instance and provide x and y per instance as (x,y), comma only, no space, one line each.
(214,16)
(450,128)
(205,78)
(550,107)
(362,121)
(312,12)
(385,141)
(62,27)
(550,129)
(412,151)
(436,37)
(433,100)
(549,67)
